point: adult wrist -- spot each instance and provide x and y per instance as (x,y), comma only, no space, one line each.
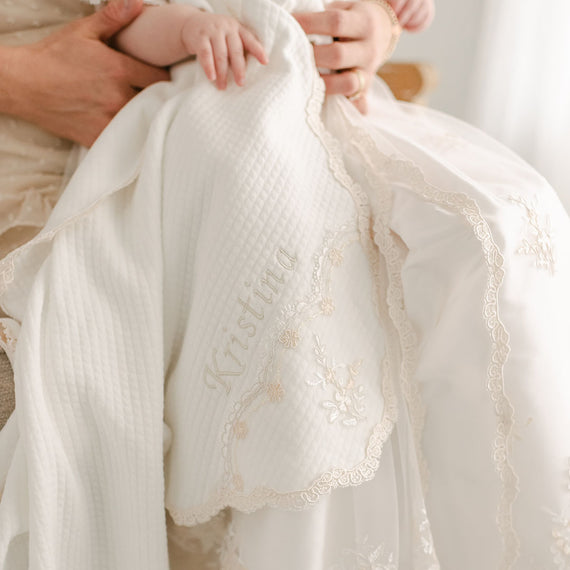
(396,29)
(8,80)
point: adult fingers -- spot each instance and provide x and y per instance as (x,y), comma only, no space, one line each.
(361,104)
(236,57)
(340,5)
(345,83)
(112,18)
(89,130)
(346,24)
(408,11)
(340,55)
(139,74)
(421,20)
(252,45)
(220,50)
(397,5)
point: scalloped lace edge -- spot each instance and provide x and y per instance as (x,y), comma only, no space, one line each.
(337,477)
(468,208)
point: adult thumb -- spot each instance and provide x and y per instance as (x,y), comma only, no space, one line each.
(114,16)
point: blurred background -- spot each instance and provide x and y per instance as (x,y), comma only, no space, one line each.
(504,66)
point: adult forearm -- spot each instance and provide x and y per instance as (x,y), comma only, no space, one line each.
(72,83)
(8,88)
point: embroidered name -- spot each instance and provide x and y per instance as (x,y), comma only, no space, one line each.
(229,362)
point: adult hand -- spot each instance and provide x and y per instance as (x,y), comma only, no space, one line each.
(72,83)
(364,31)
(414,15)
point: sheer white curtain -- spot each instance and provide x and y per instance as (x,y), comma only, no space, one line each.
(521,90)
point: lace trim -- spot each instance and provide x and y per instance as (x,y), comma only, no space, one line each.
(269,389)
(539,242)
(286,336)
(469,210)
(561,532)
(230,558)
(8,336)
(365,556)
(394,255)
(198,546)
(425,550)
(230,493)
(8,263)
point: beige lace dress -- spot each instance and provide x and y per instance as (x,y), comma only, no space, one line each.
(32,162)
(32,166)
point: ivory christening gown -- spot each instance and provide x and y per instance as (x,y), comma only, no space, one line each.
(336,341)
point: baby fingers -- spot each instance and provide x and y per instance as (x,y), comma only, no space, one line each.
(221,45)
(220,51)
(240,43)
(205,57)
(252,45)
(236,57)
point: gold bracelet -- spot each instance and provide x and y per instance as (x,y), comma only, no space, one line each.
(396,28)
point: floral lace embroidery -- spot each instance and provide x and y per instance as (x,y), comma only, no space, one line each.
(8,336)
(365,556)
(230,558)
(538,242)
(231,493)
(561,543)
(383,166)
(294,317)
(561,533)
(443,141)
(348,405)
(425,551)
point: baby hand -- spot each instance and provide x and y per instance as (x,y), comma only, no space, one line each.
(414,15)
(220,42)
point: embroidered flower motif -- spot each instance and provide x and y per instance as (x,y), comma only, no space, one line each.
(424,537)
(561,536)
(275,392)
(336,257)
(539,241)
(241,430)
(6,339)
(561,546)
(347,404)
(289,338)
(327,306)
(329,375)
(365,557)
(347,407)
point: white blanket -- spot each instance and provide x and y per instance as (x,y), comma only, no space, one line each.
(205,239)
(227,262)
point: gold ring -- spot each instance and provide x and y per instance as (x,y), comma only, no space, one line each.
(361,84)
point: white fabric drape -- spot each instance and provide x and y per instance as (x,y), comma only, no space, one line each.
(324,309)
(521,88)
